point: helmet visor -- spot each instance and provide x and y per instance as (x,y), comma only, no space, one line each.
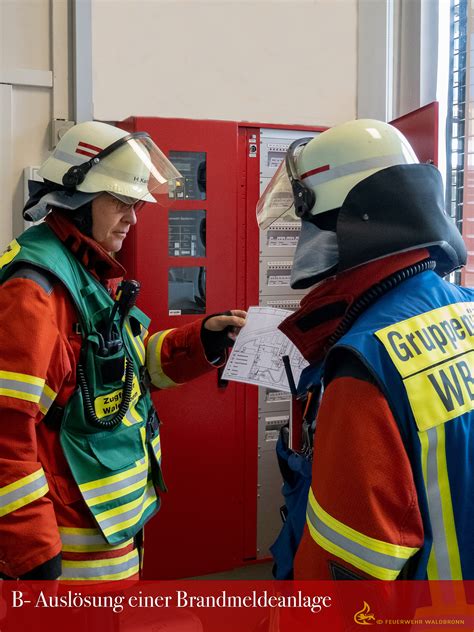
(277,199)
(136,171)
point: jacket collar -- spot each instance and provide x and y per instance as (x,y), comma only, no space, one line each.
(92,256)
(324,307)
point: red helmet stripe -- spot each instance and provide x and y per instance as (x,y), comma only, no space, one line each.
(314,171)
(88,146)
(85,153)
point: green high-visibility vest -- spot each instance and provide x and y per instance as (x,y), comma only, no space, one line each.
(117,469)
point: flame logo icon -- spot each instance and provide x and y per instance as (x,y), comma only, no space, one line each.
(364,616)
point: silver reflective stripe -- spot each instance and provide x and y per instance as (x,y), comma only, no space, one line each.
(69,158)
(130,418)
(23,491)
(23,387)
(76,539)
(113,172)
(133,514)
(46,401)
(378,162)
(117,487)
(108,568)
(381,560)
(435,507)
(87,541)
(156,444)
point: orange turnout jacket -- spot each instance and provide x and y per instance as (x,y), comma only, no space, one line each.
(46,529)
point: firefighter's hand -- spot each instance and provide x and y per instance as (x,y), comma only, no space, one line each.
(220,331)
(232,321)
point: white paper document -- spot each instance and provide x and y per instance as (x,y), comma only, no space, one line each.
(256,357)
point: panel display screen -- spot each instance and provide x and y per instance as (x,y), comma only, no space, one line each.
(187,233)
(187,290)
(192,166)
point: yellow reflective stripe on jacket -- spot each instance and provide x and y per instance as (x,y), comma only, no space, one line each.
(116,486)
(153,360)
(22,492)
(156,445)
(132,416)
(137,343)
(444,561)
(375,557)
(9,253)
(109,568)
(47,398)
(87,541)
(143,334)
(114,520)
(28,388)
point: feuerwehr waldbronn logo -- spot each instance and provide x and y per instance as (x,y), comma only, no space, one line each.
(364,616)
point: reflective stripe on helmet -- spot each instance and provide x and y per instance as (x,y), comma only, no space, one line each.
(327,173)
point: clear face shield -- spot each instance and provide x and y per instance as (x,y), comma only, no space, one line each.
(277,200)
(133,169)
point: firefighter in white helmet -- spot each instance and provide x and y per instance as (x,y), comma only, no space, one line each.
(389,343)
(80,444)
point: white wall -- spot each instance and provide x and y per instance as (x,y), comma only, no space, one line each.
(272,61)
(33,50)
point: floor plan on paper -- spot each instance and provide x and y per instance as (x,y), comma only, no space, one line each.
(256,357)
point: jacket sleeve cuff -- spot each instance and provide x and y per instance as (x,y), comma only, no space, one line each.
(51,569)
(175,356)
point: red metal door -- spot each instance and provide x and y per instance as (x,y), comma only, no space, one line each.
(421,129)
(199,528)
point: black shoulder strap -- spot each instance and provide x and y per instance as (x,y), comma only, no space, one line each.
(42,278)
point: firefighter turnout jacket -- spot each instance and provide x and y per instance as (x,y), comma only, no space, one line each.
(394,439)
(80,447)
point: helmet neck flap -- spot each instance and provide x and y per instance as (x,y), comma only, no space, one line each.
(397,209)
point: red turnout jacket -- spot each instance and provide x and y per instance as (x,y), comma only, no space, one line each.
(43,519)
(361,474)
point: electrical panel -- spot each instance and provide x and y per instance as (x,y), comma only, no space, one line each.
(276,250)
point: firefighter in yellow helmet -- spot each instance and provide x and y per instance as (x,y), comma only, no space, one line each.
(80,446)
(389,342)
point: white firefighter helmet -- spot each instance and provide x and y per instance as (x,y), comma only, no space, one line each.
(362,194)
(324,169)
(93,157)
